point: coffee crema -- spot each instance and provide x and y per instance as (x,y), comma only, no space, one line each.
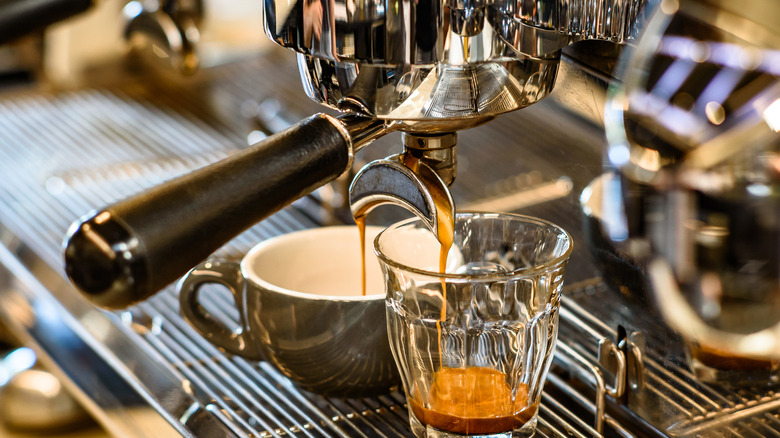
(474,400)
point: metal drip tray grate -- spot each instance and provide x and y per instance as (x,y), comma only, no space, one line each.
(669,397)
(62,155)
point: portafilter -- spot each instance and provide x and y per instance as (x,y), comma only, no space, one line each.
(693,133)
(427,68)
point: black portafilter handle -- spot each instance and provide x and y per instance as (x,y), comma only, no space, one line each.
(128,251)
(20,17)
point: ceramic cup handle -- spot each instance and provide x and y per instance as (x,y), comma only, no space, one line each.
(229,275)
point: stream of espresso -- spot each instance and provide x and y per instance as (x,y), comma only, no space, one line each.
(445,224)
(473,400)
(360,221)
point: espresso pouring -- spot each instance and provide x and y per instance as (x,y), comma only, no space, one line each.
(471,400)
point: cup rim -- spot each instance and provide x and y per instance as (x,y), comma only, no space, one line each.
(281,239)
(521,272)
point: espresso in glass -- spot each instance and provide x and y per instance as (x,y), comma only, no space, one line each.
(473,401)
(473,337)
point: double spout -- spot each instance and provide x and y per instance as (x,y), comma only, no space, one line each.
(416,180)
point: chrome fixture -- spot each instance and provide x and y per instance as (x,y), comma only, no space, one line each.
(167,30)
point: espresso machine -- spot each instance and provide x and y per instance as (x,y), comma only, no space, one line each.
(426,70)
(420,78)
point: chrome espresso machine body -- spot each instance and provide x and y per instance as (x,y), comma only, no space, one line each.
(425,69)
(433,74)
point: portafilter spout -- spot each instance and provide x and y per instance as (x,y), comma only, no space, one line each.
(416,180)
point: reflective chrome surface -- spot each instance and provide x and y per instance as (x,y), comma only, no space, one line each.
(539,26)
(694,133)
(440,98)
(168,28)
(439,66)
(389,181)
(381,32)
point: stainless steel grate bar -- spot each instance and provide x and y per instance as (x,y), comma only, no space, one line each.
(559,407)
(234,390)
(175,351)
(227,370)
(703,407)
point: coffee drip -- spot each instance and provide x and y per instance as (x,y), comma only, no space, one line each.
(471,400)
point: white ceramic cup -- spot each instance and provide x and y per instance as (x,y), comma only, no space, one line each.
(301,307)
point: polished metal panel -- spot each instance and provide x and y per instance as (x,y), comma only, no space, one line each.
(168,31)
(615,21)
(425,98)
(389,181)
(439,66)
(381,32)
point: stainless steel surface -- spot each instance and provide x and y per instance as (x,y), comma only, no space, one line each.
(389,182)
(694,136)
(541,26)
(438,151)
(168,30)
(440,67)
(145,372)
(450,33)
(431,98)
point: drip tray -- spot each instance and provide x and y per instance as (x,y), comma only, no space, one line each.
(146,372)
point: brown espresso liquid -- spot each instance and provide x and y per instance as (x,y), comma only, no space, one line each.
(473,401)
(445,223)
(360,221)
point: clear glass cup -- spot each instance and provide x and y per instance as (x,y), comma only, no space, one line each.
(473,345)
